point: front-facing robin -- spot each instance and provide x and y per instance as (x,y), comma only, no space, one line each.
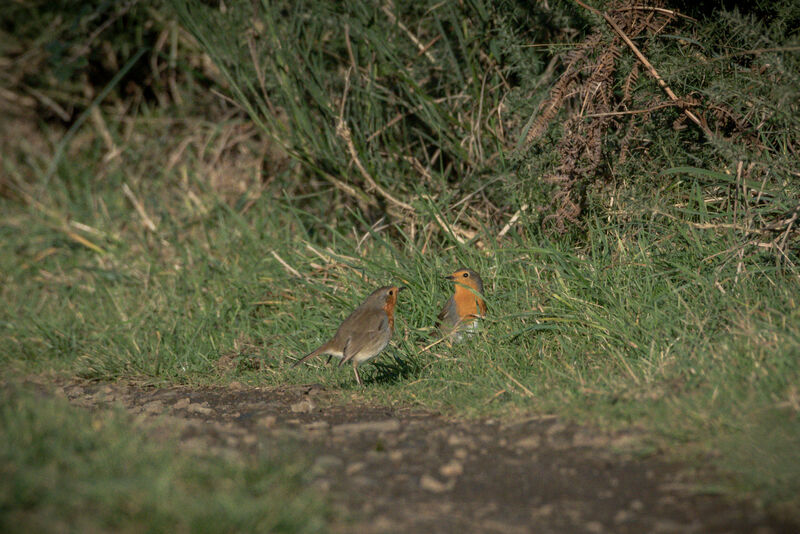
(463,310)
(365,332)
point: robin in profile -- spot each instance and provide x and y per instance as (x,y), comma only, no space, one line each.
(364,333)
(462,311)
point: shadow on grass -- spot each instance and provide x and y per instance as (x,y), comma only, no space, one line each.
(391,372)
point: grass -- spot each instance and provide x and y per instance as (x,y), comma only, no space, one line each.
(170,236)
(65,469)
(646,325)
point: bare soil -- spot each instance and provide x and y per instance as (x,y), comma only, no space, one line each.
(407,470)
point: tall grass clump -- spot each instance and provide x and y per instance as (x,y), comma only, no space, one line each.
(480,100)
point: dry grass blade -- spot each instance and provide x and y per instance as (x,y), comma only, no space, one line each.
(528,393)
(291,270)
(422,48)
(148,222)
(511,222)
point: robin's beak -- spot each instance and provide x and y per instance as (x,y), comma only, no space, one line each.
(401,288)
(450,277)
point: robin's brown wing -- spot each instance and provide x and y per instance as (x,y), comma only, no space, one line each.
(448,315)
(371,338)
(336,345)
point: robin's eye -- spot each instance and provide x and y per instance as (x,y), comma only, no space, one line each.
(466,275)
(391,292)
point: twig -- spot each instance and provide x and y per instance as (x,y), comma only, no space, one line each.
(653,72)
(148,222)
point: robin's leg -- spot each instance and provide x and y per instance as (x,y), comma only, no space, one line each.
(329,359)
(355,370)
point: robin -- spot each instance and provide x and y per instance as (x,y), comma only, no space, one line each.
(365,332)
(465,307)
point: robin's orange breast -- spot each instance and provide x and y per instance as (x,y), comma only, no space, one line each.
(389,309)
(468,305)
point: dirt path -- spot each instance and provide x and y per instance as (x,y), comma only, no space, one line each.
(412,471)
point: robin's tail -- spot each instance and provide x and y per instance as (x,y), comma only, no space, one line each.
(317,352)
